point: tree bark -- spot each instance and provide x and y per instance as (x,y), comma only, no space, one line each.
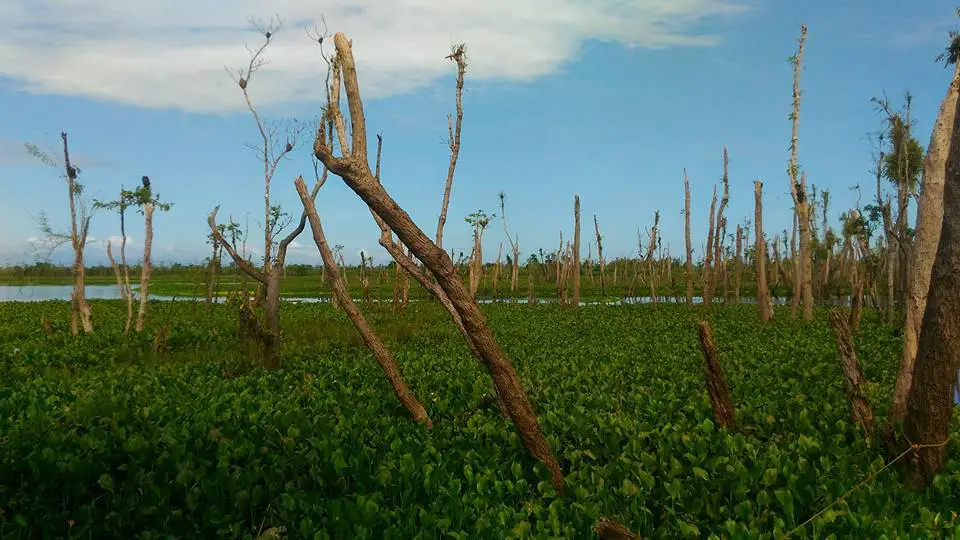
(354,169)
(370,338)
(926,239)
(860,408)
(689,243)
(147,265)
(576,251)
(738,266)
(930,401)
(720,228)
(806,257)
(603,263)
(764,308)
(723,410)
(459,56)
(708,255)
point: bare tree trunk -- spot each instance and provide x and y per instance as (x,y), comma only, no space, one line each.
(608,529)
(930,401)
(496,271)
(689,244)
(860,408)
(720,228)
(764,309)
(708,254)
(723,410)
(798,190)
(379,350)
(355,171)
(80,316)
(459,56)
(576,252)
(797,269)
(738,266)
(856,305)
(211,273)
(926,239)
(603,264)
(531,296)
(147,265)
(806,256)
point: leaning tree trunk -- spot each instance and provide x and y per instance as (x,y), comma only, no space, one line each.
(764,309)
(354,169)
(723,410)
(926,239)
(370,338)
(930,401)
(147,266)
(860,409)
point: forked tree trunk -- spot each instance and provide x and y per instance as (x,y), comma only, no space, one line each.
(370,338)
(926,239)
(930,401)
(147,265)
(723,410)
(80,316)
(355,171)
(860,408)
(688,277)
(764,308)
(576,252)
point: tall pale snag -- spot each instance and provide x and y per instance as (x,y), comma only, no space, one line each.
(803,261)
(688,273)
(764,309)
(576,251)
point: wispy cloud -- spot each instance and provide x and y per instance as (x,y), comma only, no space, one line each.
(171,54)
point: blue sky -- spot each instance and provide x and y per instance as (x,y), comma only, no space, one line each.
(610,100)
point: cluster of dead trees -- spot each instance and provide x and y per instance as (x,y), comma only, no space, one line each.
(80,212)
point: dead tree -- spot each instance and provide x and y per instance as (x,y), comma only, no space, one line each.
(496,270)
(738,265)
(930,401)
(146,201)
(514,248)
(926,239)
(354,169)
(798,191)
(764,308)
(689,243)
(453,128)
(860,408)
(649,257)
(270,153)
(720,227)
(708,254)
(576,251)
(122,271)
(80,315)
(603,262)
(370,338)
(723,410)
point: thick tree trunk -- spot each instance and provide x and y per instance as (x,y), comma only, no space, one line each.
(147,265)
(689,243)
(576,252)
(723,410)
(370,338)
(926,239)
(860,408)
(930,401)
(764,309)
(355,171)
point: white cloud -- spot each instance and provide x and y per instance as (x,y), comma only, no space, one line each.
(170,54)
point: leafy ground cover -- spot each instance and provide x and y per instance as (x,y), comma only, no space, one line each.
(100,437)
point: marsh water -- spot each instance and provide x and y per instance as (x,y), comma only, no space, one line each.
(41,293)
